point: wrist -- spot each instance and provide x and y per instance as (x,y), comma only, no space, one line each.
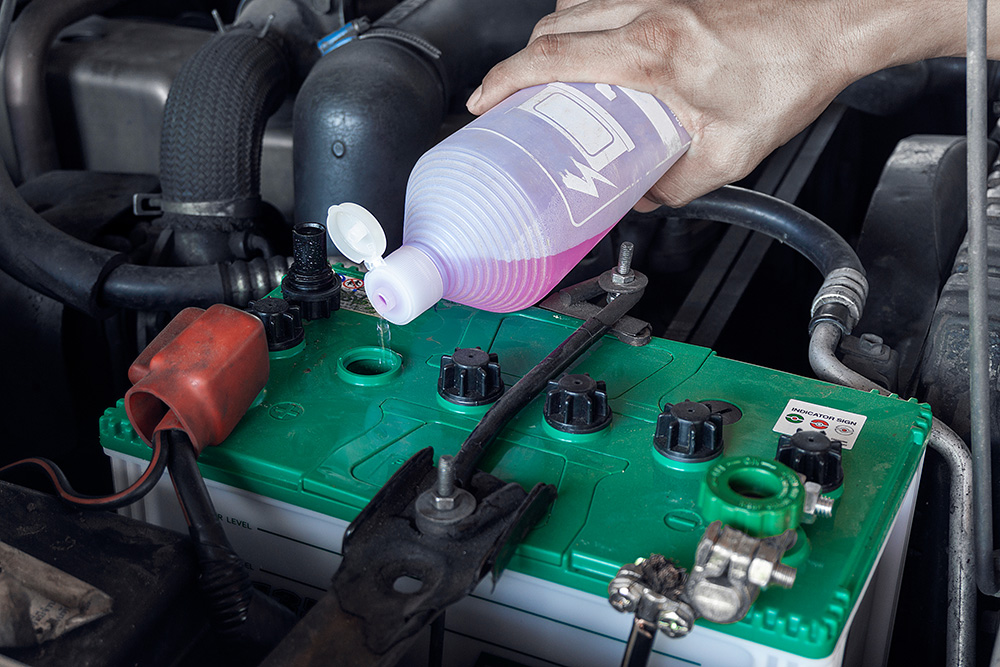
(884,33)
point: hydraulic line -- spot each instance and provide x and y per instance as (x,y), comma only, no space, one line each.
(824,362)
(841,297)
(979,335)
(961,629)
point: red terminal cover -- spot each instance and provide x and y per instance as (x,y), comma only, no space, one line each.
(200,374)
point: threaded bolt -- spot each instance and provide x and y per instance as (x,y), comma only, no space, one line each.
(824,506)
(622,274)
(783,575)
(446,476)
(625,251)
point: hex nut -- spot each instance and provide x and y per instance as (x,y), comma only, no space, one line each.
(619,279)
(444,503)
(622,594)
(759,572)
(673,623)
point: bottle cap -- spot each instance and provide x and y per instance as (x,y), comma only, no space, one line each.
(356,233)
(400,286)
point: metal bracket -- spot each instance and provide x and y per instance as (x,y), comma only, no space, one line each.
(576,301)
(370,616)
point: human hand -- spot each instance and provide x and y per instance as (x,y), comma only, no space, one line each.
(742,77)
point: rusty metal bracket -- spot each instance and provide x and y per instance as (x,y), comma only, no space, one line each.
(576,301)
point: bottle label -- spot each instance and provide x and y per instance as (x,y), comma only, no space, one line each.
(609,143)
(594,133)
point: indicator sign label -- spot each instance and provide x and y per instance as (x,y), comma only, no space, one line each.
(835,424)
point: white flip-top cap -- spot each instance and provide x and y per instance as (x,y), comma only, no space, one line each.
(401,286)
(356,233)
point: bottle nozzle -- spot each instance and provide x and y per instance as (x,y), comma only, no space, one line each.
(405,285)
(400,286)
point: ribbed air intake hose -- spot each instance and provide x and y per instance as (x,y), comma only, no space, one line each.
(213,126)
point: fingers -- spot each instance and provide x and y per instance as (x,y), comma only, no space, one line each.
(645,205)
(708,165)
(577,57)
(571,44)
(587,16)
(683,183)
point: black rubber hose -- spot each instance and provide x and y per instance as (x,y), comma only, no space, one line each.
(213,125)
(24,78)
(370,108)
(251,623)
(778,219)
(46,259)
(363,117)
(472,36)
(73,272)
(164,288)
(87,277)
(58,265)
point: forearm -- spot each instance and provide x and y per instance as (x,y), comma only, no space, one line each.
(884,33)
(743,76)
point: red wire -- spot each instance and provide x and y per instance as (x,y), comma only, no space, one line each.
(124,497)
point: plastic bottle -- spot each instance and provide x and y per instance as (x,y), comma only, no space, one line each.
(499,212)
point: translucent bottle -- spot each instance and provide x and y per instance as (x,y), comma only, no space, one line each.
(499,212)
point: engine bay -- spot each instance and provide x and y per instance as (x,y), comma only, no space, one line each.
(474,488)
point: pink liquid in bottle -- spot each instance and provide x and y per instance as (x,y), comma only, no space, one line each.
(499,212)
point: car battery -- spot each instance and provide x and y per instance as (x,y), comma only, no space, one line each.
(340,414)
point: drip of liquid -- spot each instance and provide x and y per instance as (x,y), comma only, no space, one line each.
(384,342)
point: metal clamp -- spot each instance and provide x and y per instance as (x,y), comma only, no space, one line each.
(730,569)
(578,300)
(845,287)
(651,588)
(151,205)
